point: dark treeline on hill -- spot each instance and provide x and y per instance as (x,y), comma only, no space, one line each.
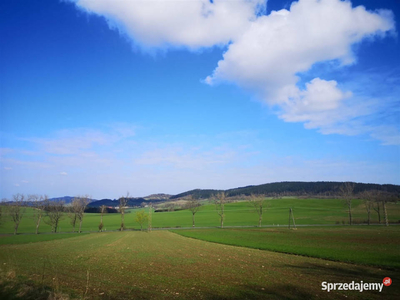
(307,189)
(96,210)
(202,194)
(131,202)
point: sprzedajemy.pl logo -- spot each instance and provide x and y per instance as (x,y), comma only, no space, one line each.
(356,286)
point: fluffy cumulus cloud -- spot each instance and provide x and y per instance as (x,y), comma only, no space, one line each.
(190,23)
(266,54)
(269,57)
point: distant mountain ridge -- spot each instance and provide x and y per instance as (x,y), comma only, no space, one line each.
(285,188)
(292,188)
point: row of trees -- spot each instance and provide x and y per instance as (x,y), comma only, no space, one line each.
(373,200)
(52,212)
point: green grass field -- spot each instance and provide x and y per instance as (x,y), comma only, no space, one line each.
(34,238)
(306,211)
(374,245)
(165,265)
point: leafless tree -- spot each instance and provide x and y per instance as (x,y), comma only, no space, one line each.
(54,213)
(346,191)
(123,202)
(141,217)
(220,201)
(16,210)
(193,205)
(384,197)
(78,207)
(259,204)
(39,203)
(377,207)
(72,214)
(369,198)
(103,210)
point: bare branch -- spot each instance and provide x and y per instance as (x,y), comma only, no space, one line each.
(346,191)
(54,213)
(259,204)
(220,201)
(193,205)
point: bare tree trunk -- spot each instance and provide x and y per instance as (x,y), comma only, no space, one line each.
(192,220)
(347,191)
(385,213)
(259,221)
(122,221)
(222,221)
(377,208)
(80,225)
(16,228)
(379,214)
(350,216)
(369,217)
(37,224)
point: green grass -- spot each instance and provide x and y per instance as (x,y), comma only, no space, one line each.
(306,211)
(34,238)
(164,265)
(370,245)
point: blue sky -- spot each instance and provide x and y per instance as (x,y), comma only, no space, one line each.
(104,97)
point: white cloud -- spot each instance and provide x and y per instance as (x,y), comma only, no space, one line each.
(63,173)
(7,168)
(266,53)
(269,57)
(276,47)
(189,23)
(5,151)
(73,141)
(186,157)
(306,105)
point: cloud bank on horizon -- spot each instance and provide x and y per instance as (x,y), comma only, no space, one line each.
(270,54)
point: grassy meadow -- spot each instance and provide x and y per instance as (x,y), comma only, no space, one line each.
(373,245)
(204,263)
(306,211)
(165,265)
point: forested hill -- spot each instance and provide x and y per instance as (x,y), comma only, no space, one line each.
(198,193)
(131,202)
(322,188)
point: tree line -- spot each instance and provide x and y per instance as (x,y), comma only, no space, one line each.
(374,200)
(52,212)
